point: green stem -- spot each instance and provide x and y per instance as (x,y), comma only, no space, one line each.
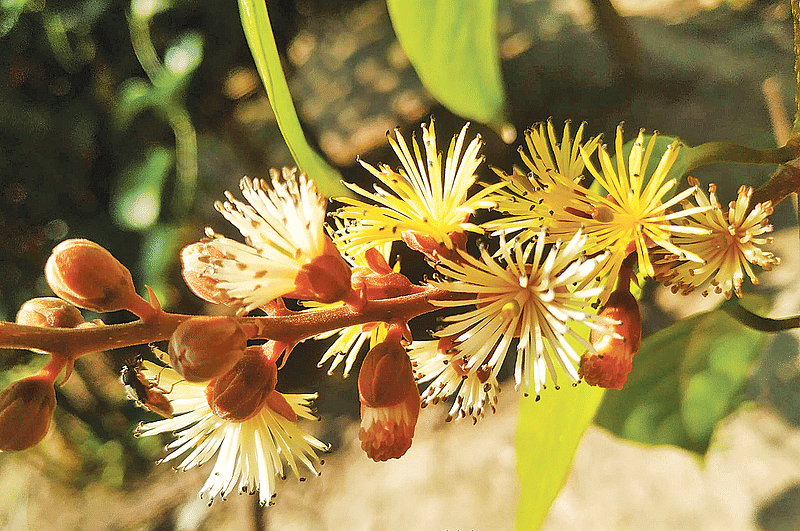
(726,152)
(144,49)
(185,158)
(756,322)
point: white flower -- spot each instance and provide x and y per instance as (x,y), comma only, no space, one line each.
(284,233)
(445,370)
(250,454)
(733,241)
(530,297)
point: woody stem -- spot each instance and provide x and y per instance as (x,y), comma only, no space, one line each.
(287,328)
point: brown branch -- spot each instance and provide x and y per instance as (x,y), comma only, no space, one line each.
(782,183)
(287,328)
(623,46)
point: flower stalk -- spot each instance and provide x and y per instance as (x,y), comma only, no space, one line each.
(286,328)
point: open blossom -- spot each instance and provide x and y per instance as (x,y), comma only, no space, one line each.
(632,214)
(734,242)
(423,204)
(439,363)
(528,296)
(519,200)
(250,454)
(286,251)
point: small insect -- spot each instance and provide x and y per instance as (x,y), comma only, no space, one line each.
(146,393)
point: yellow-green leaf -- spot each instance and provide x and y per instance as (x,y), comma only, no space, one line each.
(686,378)
(257,29)
(547,436)
(453,47)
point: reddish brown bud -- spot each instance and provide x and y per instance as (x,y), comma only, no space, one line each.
(26,409)
(87,275)
(432,247)
(242,392)
(49,312)
(324,279)
(194,261)
(203,348)
(614,359)
(390,401)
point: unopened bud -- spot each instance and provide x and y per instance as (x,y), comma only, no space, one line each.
(87,275)
(610,367)
(194,261)
(49,312)
(26,409)
(326,278)
(203,348)
(390,401)
(242,392)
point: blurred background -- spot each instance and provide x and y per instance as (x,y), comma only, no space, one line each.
(122,122)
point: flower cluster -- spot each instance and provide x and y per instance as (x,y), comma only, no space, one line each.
(549,288)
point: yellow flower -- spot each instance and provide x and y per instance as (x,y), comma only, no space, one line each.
(633,215)
(350,340)
(519,200)
(421,199)
(732,245)
(441,364)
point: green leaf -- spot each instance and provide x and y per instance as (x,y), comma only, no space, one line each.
(10,10)
(136,198)
(548,434)
(257,29)
(453,47)
(685,379)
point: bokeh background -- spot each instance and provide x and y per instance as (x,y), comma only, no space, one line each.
(122,122)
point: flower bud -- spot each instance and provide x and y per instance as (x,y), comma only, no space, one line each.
(87,275)
(326,278)
(242,392)
(26,409)
(203,348)
(610,367)
(194,261)
(49,312)
(390,401)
